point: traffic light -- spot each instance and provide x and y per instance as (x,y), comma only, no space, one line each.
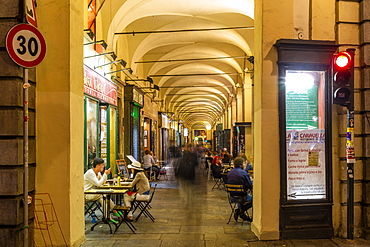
(343,78)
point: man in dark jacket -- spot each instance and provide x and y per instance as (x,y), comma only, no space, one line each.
(241,177)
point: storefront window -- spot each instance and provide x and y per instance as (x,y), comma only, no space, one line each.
(305,134)
(112,138)
(103,133)
(135,123)
(91,130)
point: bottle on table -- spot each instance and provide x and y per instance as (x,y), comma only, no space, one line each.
(118,180)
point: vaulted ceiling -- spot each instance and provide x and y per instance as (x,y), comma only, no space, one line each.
(195,51)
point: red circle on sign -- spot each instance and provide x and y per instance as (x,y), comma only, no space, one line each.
(38,39)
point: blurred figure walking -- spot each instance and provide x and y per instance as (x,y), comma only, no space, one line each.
(185,173)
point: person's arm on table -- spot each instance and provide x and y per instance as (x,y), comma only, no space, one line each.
(91,177)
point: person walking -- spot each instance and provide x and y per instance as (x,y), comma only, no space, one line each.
(185,173)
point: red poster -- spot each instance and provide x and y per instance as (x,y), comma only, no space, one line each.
(99,87)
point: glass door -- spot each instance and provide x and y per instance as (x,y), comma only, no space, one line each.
(103,134)
(91,132)
(113,138)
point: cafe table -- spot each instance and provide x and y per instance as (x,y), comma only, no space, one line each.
(106,192)
(117,198)
(124,185)
(227,168)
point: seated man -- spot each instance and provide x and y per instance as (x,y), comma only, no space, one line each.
(240,177)
(93,178)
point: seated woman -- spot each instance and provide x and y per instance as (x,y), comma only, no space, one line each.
(142,186)
(149,163)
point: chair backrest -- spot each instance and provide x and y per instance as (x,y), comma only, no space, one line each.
(216,172)
(234,188)
(151,196)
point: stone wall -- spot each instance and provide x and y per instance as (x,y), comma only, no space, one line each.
(352,31)
(364,95)
(11,134)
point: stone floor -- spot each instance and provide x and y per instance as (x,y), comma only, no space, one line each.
(202,224)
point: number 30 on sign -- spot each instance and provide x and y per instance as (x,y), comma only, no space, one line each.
(25,45)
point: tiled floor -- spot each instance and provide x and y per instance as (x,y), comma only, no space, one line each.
(202,224)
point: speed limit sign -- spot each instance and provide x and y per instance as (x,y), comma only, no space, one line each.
(25,45)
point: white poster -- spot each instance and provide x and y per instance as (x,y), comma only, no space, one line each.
(305,164)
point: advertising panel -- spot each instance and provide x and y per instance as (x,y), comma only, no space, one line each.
(306,164)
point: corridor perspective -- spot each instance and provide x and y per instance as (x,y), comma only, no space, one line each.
(91,87)
(203,224)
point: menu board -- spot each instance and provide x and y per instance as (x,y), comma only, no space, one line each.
(305,164)
(301,109)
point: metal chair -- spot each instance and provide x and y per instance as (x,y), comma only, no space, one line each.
(148,170)
(236,194)
(91,207)
(125,210)
(144,206)
(217,177)
(163,172)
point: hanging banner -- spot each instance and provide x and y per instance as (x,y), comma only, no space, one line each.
(99,87)
(306,164)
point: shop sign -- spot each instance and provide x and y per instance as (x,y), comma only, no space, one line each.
(165,123)
(99,87)
(306,164)
(138,97)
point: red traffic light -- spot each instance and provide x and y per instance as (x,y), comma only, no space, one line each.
(342,60)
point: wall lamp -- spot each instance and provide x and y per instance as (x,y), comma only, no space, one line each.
(155,87)
(90,33)
(121,61)
(168,113)
(147,79)
(114,56)
(129,69)
(102,42)
(251,59)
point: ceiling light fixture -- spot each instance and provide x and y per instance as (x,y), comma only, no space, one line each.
(102,42)
(111,72)
(114,56)
(121,61)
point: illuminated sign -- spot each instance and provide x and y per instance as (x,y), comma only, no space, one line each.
(306,164)
(99,87)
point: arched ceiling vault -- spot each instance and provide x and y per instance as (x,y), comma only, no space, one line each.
(195,51)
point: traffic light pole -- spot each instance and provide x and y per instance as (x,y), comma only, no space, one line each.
(350,155)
